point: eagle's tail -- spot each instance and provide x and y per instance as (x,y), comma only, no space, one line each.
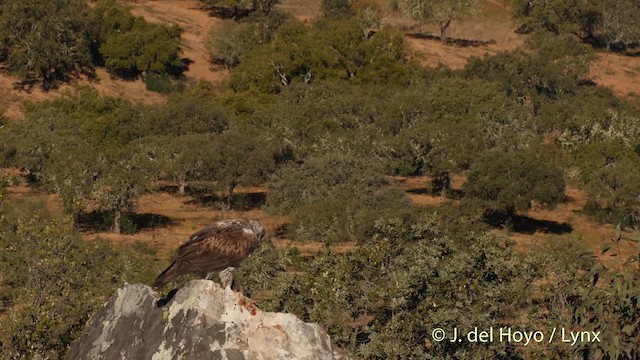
(167,275)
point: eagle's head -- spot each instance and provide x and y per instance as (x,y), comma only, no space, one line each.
(258,229)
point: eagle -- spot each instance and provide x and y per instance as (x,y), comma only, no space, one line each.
(219,247)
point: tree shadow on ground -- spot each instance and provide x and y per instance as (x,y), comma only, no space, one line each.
(242,201)
(524,224)
(223,12)
(131,223)
(453,41)
(448,193)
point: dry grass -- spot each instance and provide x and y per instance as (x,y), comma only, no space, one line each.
(303,10)
(617,72)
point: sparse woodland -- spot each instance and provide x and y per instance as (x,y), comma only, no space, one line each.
(326,116)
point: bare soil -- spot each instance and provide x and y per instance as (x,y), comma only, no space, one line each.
(619,72)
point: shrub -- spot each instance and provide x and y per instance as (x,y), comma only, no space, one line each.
(54,281)
(129,45)
(510,181)
(607,24)
(336,9)
(607,302)
(162,83)
(334,197)
(369,298)
(329,50)
(45,41)
(611,172)
(230,41)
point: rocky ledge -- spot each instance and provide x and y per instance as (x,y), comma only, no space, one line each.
(200,321)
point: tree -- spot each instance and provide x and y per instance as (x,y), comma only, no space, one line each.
(241,157)
(368,298)
(556,68)
(251,5)
(46,41)
(120,180)
(146,47)
(335,197)
(264,5)
(441,12)
(196,110)
(510,181)
(611,171)
(556,16)
(606,299)
(336,9)
(71,171)
(601,23)
(76,145)
(330,50)
(179,159)
(620,25)
(129,45)
(229,41)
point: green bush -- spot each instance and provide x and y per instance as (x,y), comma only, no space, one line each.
(334,197)
(602,23)
(510,181)
(45,41)
(611,172)
(607,302)
(162,83)
(383,299)
(230,41)
(53,281)
(336,9)
(129,45)
(329,50)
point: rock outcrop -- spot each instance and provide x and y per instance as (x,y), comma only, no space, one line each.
(201,321)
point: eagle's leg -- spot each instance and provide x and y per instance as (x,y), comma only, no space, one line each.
(210,276)
(226,277)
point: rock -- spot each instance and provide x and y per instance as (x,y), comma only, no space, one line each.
(202,321)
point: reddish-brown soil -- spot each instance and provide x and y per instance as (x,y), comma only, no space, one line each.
(618,72)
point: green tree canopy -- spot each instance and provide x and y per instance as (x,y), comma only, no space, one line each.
(128,45)
(230,41)
(368,298)
(330,50)
(334,197)
(441,12)
(241,157)
(45,41)
(605,23)
(510,181)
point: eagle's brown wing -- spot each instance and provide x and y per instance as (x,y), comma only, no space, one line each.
(213,248)
(216,248)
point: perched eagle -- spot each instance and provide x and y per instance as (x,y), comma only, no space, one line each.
(219,247)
